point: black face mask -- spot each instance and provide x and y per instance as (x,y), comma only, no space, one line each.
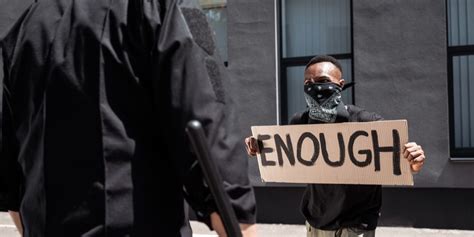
(321,92)
(323,100)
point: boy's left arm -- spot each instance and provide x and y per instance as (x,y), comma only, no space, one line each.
(415,155)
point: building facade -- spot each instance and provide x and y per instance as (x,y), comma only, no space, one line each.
(409,60)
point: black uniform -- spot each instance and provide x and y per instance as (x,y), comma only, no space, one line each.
(331,206)
(96,97)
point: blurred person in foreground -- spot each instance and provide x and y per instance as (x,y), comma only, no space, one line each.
(329,209)
(96,97)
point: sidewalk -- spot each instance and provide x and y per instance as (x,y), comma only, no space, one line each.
(7,229)
(275,230)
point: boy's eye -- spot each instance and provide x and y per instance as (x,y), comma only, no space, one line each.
(325,80)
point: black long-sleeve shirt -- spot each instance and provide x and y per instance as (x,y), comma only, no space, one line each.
(96,97)
(335,206)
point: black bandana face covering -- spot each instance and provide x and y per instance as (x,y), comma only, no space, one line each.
(323,100)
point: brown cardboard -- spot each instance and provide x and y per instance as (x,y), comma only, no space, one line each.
(311,138)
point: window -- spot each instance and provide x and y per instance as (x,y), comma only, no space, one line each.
(216,13)
(309,28)
(460,23)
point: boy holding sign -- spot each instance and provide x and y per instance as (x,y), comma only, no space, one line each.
(338,209)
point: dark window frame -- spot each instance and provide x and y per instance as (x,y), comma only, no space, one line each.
(456,154)
(285,63)
(454,51)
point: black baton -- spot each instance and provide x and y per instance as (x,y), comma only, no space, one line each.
(211,174)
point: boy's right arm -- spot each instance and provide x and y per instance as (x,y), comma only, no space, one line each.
(251,146)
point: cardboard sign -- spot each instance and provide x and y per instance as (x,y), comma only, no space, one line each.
(337,153)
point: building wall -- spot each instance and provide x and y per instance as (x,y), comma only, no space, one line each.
(251,50)
(400,69)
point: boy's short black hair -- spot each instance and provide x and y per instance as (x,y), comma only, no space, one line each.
(324,58)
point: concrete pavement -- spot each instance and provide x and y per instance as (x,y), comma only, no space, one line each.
(276,230)
(7,229)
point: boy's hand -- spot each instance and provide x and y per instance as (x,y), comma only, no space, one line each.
(251,145)
(415,155)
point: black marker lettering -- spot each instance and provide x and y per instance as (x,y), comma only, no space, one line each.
(288,148)
(300,146)
(368,153)
(324,151)
(264,150)
(395,149)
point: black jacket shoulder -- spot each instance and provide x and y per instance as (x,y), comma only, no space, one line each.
(299,118)
(358,114)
